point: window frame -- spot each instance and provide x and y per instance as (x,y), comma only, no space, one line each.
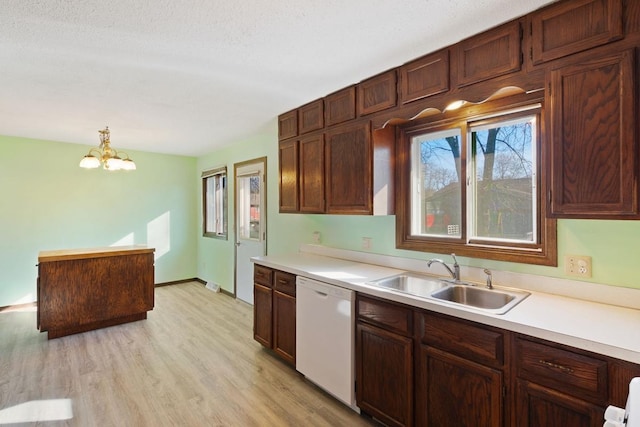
(217,174)
(542,253)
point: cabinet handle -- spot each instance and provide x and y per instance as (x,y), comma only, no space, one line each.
(283,281)
(564,369)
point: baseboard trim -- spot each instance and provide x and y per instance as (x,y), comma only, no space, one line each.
(18,307)
(177,282)
(195,279)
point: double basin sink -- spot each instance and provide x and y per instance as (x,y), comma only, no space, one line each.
(495,301)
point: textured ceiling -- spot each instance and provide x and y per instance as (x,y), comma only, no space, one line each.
(190,76)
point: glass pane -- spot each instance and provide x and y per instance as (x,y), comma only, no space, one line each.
(249,207)
(216,205)
(436,172)
(504,196)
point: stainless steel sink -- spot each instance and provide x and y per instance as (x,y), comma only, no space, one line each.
(462,294)
(497,301)
(414,284)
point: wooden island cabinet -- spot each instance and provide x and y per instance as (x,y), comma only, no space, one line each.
(85,289)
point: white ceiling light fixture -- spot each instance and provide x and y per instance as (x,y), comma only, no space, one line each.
(106,156)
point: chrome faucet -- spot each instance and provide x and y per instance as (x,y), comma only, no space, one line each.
(489,278)
(455,273)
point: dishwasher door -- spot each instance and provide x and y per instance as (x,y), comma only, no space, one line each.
(325,337)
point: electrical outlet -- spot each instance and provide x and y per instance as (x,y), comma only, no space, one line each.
(316,237)
(366,243)
(577,265)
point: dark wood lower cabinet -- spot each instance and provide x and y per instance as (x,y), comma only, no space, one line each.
(274,311)
(452,391)
(470,374)
(262,313)
(384,375)
(284,325)
(540,406)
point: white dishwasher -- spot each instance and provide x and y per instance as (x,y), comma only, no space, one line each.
(325,337)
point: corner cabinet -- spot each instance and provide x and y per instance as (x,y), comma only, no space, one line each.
(593,137)
(274,311)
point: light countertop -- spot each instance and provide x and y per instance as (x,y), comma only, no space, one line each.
(107,251)
(601,328)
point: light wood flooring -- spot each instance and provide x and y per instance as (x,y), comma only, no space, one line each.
(193,362)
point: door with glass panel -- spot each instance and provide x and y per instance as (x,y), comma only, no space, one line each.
(250,222)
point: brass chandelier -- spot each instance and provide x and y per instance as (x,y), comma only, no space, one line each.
(106,156)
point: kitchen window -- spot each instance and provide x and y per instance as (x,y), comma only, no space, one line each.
(214,202)
(473,186)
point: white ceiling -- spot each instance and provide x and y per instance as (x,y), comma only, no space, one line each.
(190,76)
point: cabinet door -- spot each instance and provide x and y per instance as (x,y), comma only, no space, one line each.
(538,406)
(594,151)
(573,26)
(288,125)
(340,106)
(454,391)
(311,116)
(312,174)
(284,326)
(348,157)
(378,93)
(490,54)
(262,315)
(288,158)
(384,375)
(425,76)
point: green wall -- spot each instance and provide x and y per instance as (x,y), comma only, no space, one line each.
(49,203)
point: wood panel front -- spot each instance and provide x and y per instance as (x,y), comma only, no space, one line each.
(288,125)
(569,27)
(348,169)
(288,159)
(76,295)
(455,391)
(384,375)
(388,315)
(377,93)
(426,76)
(312,179)
(472,341)
(284,325)
(594,147)
(311,117)
(491,54)
(340,106)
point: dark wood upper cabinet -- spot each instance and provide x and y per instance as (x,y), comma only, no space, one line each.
(312,173)
(424,77)
(569,27)
(377,93)
(340,106)
(594,147)
(288,158)
(311,116)
(288,125)
(491,54)
(348,154)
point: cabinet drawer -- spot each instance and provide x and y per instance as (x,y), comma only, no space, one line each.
(390,316)
(482,344)
(563,370)
(285,283)
(263,275)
